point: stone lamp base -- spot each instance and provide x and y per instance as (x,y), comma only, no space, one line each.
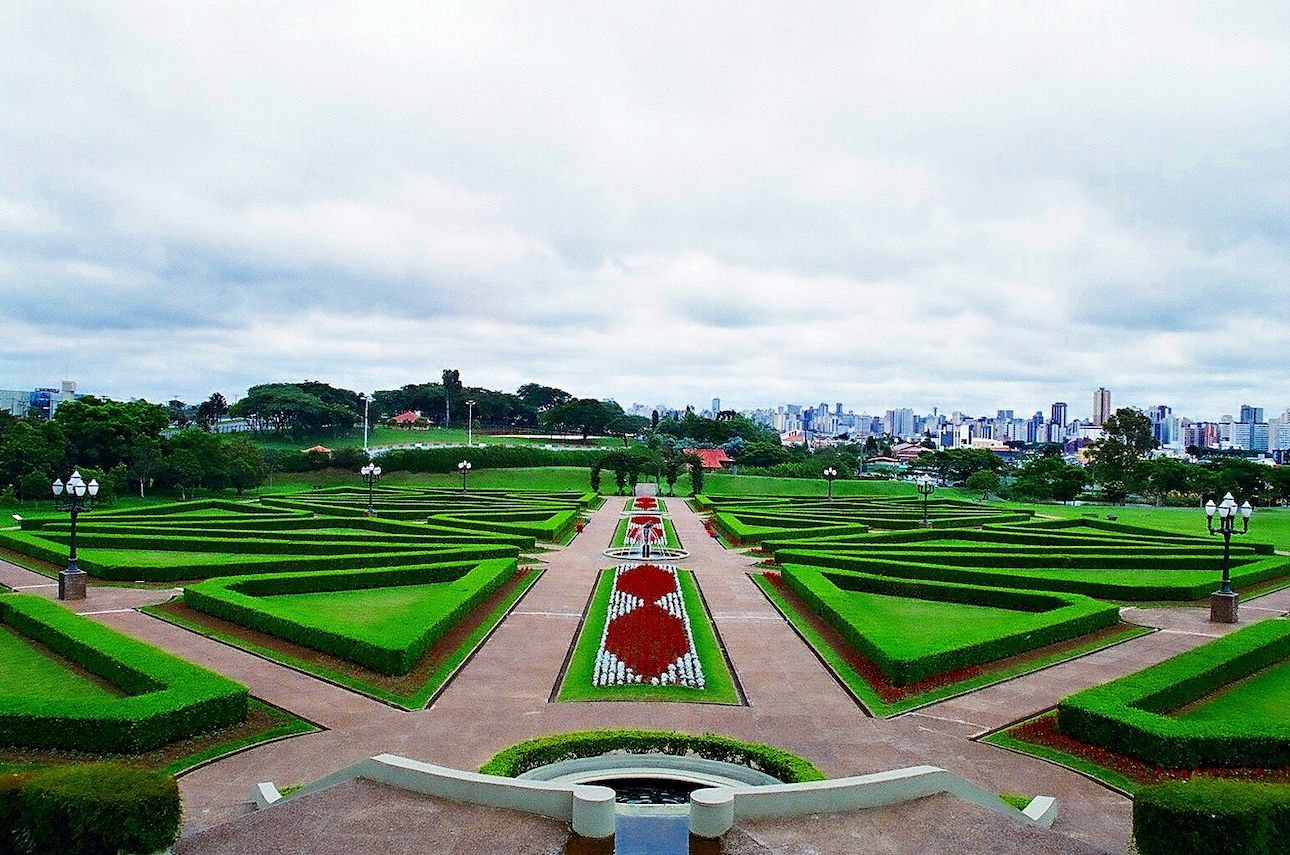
(1223,607)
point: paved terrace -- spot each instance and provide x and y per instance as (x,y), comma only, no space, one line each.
(503,694)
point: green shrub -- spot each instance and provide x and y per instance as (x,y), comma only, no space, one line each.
(167,699)
(235,599)
(518,759)
(1129,715)
(1207,815)
(98,809)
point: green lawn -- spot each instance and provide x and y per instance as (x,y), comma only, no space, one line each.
(1268,525)
(372,613)
(1264,696)
(31,672)
(912,627)
(718,484)
(719,686)
(884,706)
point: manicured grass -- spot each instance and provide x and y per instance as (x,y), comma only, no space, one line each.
(413,694)
(719,685)
(370,613)
(1263,696)
(1268,525)
(865,692)
(31,671)
(918,627)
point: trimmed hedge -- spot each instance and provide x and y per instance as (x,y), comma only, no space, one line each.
(167,699)
(1130,715)
(1067,616)
(234,598)
(1212,815)
(442,460)
(518,759)
(92,809)
(1011,570)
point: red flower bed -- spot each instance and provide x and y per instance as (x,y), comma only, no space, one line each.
(1043,731)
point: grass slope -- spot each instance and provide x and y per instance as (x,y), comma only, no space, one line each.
(30,670)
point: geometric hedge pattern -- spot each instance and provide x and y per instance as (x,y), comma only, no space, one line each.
(324,529)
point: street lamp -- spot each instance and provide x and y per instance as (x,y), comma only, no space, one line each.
(926,486)
(74,496)
(366,401)
(1223,602)
(829,474)
(463,467)
(470,421)
(371,474)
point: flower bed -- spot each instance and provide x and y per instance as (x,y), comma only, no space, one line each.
(647,635)
(646,504)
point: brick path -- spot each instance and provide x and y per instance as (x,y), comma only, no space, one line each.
(502,695)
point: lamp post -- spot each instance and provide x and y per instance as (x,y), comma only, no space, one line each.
(74,496)
(470,422)
(371,474)
(926,486)
(829,474)
(1223,603)
(366,401)
(463,467)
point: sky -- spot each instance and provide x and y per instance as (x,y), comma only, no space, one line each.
(969,206)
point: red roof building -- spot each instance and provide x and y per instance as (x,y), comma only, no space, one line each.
(406,418)
(713,458)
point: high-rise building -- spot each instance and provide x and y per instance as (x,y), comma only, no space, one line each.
(716,406)
(1101,405)
(1059,413)
(1251,415)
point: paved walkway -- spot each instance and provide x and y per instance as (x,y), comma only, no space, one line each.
(502,696)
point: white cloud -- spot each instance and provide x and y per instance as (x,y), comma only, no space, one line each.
(972,205)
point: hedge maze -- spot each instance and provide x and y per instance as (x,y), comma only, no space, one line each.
(75,685)
(1222,708)
(318,530)
(750,520)
(906,615)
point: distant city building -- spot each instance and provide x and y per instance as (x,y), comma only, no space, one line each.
(1250,415)
(1101,405)
(1059,413)
(716,405)
(45,400)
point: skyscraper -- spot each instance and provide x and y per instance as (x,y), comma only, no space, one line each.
(716,406)
(1101,405)
(1059,413)
(1251,415)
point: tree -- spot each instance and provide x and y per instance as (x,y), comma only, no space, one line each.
(101,434)
(696,473)
(1048,477)
(673,463)
(184,471)
(595,478)
(145,460)
(586,415)
(538,397)
(244,464)
(33,447)
(298,408)
(210,411)
(1164,475)
(983,481)
(1114,456)
(653,420)
(178,412)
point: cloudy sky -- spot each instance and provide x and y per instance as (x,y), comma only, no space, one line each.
(969,207)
